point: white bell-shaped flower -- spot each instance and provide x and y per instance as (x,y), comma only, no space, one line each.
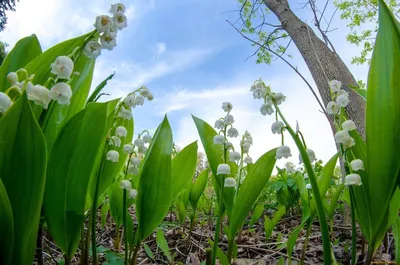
(335,85)
(290,167)
(133,193)
(228,145)
(5,102)
(233,132)
(283,151)
(332,108)
(227,106)
(132,169)
(224,169)
(144,92)
(343,137)
(308,186)
(12,78)
(279,98)
(135,161)
(139,100)
(121,131)
(125,114)
(139,142)
(125,184)
(306,175)
(219,124)
(147,138)
(40,95)
(352,179)
(120,21)
(248,160)
(246,146)
(343,99)
(230,183)
(234,156)
(259,91)
(103,23)
(357,165)
(108,41)
(349,125)
(61,92)
(117,9)
(63,67)
(311,155)
(92,49)
(218,139)
(112,155)
(277,127)
(115,141)
(228,120)
(266,109)
(142,150)
(130,101)
(128,149)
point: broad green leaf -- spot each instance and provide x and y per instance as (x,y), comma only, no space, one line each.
(223,259)
(23,159)
(163,244)
(258,211)
(6,227)
(269,224)
(334,199)
(24,51)
(360,91)
(155,185)
(96,93)
(326,175)
(292,240)
(396,236)
(304,197)
(229,200)
(214,152)
(73,161)
(382,123)
(116,196)
(251,188)
(198,188)
(182,203)
(148,251)
(183,166)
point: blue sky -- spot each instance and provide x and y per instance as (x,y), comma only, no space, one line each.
(192,60)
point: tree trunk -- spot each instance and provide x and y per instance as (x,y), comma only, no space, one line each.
(324,64)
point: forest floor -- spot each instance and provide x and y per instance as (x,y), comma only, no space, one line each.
(253,247)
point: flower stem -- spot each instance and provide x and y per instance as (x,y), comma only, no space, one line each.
(125,231)
(353,229)
(217,229)
(303,254)
(314,185)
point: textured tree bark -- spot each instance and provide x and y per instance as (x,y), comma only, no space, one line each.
(323,63)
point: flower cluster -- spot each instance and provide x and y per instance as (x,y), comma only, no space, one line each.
(107,28)
(61,91)
(134,99)
(115,140)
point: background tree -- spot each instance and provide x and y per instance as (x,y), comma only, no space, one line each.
(273,40)
(5,5)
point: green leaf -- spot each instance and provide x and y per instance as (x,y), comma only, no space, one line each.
(116,196)
(23,159)
(396,236)
(334,199)
(214,152)
(24,51)
(305,202)
(6,227)
(292,240)
(181,206)
(197,188)
(96,93)
(251,188)
(104,213)
(382,123)
(223,259)
(155,185)
(258,211)
(229,200)
(360,91)
(183,166)
(73,162)
(163,244)
(269,224)
(148,251)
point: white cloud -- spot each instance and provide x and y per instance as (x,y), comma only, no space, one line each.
(161,47)
(206,104)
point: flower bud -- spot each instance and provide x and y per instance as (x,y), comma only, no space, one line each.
(132,169)
(335,85)
(279,98)
(130,101)
(218,139)
(357,165)
(343,99)
(308,186)
(125,184)
(112,155)
(227,106)
(121,131)
(12,78)
(311,156)
(224,169)
(248,160)
(230,183)
(135,161)
(115,141)
(5,102)
(147,138)
(139,142)
(352,179)
(234,156)
(349,125)
(133,193)
(142,150)
(128,149)
(219,124)
(125,114)
(283,151)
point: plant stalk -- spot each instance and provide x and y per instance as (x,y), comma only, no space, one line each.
(353,229)
(125,231)
(229,255)
(313,180)
(303,254)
